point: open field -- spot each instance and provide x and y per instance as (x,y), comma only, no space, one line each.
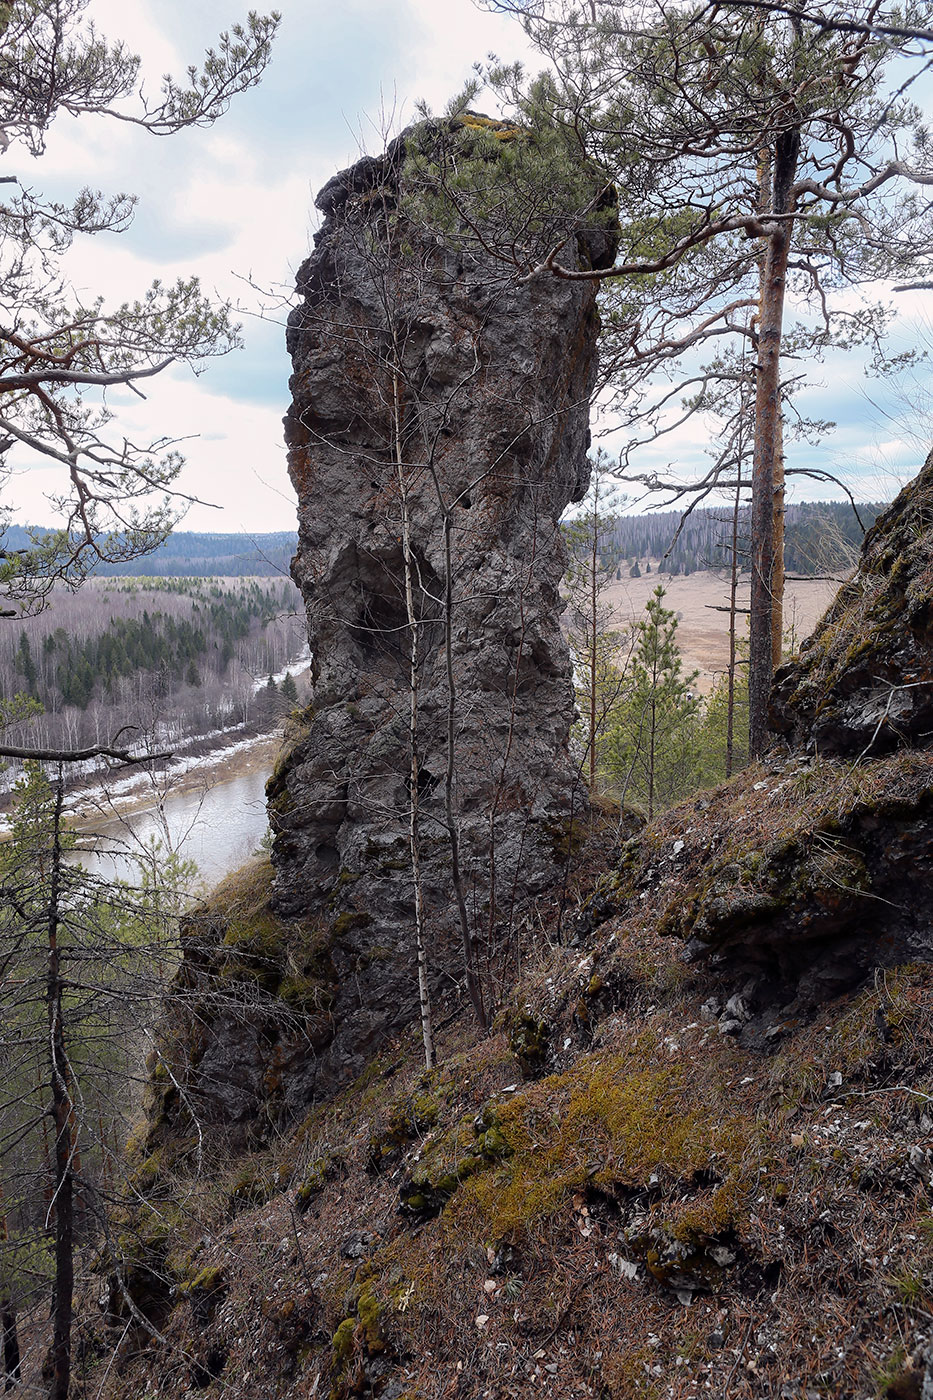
(703,632)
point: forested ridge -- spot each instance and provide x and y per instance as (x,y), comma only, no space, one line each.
(700,544)
(822,537)
(190,553)
(172,658)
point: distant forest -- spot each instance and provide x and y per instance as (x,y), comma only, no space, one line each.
(822,538)
(188,555)
(166,659)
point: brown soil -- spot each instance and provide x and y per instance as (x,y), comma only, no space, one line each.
(703,632)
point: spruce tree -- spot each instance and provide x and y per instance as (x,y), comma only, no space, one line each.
(651,749)
(594,641)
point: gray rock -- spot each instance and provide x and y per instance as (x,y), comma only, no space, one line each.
(488,385)
(863,683)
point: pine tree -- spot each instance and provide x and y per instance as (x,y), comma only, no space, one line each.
(289,690)
(594,642)
(25,664)
(84,962)
(717,759)
(651,749)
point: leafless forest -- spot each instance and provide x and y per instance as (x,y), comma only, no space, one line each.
(159,659)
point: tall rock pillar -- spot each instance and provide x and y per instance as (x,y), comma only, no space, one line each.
(439,417)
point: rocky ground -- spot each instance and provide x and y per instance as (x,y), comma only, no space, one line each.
(693,1156)
(611,1195)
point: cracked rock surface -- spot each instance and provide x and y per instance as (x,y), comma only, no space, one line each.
(431,401)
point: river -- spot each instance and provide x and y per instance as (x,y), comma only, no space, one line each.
(215,825)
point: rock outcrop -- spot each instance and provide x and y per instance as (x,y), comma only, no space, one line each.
(863,683)
(440,416)
(793,883)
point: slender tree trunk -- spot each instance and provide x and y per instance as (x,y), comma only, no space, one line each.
(63,1119)
(594,619)
(466,939)
(768,439)
(734,572)
(12,1371)
(733,609)
(414,836)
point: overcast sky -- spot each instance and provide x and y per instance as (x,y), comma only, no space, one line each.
(234,204)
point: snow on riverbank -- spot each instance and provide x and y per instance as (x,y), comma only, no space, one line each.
(231,752)
(293,669)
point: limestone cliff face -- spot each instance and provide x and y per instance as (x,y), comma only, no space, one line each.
(433,403)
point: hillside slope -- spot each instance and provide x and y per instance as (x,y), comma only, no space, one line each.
(692,1158)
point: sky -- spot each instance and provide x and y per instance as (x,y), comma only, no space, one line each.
(234,205)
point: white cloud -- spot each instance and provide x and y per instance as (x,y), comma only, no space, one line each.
(236,202)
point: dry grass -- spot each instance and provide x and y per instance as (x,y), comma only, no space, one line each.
(558,1270)
(703,632)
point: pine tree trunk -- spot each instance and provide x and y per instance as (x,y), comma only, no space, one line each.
(777,588)
(63,1119)
(733,611)
(768,440)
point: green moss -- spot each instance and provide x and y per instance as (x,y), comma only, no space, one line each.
(141,1247)
(210,1278)
(489,126)
(427,1191)
(821,873)
(567,838)
(352,918)
(146,1177)
(362,1332)
(250,1188)
(306,995)
(280,803)
(494,1145)
(315,1179)
(407,1120)
(529,1042)
(716,1213)
(343,1340)
(369,1312)
(617,1121)
(285,958)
